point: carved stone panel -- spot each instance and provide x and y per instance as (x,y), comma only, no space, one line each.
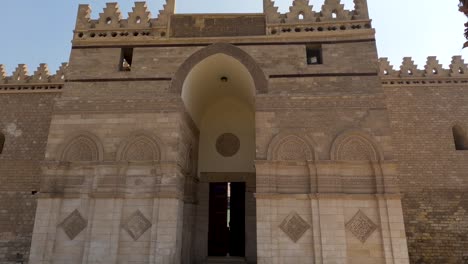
(227,145)
(294,226)
(136,225)
(361,226)
(73,224)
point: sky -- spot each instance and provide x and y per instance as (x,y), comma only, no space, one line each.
(40,31)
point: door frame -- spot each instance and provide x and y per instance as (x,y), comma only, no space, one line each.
(202,226)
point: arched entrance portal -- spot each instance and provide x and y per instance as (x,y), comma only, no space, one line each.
(219,93)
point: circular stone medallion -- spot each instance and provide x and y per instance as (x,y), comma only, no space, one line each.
(227,144)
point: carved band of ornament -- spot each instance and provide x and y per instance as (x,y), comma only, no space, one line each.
(340,26)
(32,88)
(425,82)
(120,33)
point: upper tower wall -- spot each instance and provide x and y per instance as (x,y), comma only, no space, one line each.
(301,20)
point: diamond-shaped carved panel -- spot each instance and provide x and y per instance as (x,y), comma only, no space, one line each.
(361,226)
(73,224)
(136,225)
(294,226)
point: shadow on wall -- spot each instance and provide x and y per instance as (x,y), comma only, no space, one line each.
(2,142)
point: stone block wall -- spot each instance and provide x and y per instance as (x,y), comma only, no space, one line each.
(24,120)
(433,174)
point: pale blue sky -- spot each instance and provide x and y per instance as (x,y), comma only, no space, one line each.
(35,31)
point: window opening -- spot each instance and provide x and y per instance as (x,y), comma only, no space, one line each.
(301,16)
(334,15)
(314,55)
(126,58)
(460,138)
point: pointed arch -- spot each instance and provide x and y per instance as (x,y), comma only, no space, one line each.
(82,147)
(140,146)
(460,137)
(291,147)
(355,145)
(261,83)
(2,142)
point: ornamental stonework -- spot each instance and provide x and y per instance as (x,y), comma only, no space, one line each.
(293,150)
(294,226)
(82,149)
(227,145)
(141,150)
(136,225)
(361,226)
(73,224)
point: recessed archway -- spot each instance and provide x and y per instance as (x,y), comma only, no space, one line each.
(218,86)
(219,95)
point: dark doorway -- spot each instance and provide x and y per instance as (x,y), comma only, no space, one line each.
(226,232)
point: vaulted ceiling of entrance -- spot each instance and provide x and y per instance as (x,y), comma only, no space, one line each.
(213,79)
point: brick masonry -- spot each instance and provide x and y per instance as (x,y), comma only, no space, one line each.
(25,120)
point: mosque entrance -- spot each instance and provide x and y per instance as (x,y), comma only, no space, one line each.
(218,92)
(226,233)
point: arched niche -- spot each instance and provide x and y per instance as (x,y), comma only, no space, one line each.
(82,147)
(259,78)
(219,94)
(291,147)
(357,156)
(140,146)
(355,145)
(291,154)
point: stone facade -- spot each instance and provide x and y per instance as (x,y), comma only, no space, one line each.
(344,159)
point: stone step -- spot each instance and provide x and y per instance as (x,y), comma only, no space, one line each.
(225,260)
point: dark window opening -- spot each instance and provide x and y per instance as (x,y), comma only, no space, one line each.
(126,58)
(2,142)
(460,138)
(314,55)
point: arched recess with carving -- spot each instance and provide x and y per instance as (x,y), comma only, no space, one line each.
(358,163)
(82,147)
(291,147)
(2,142)
(140,146)
(259,78)
(355,145)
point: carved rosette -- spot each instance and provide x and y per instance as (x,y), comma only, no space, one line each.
(361,226)
(136,225)
(73,224)
(294,226)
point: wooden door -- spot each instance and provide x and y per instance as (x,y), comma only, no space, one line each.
(237,221)
(218,232)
